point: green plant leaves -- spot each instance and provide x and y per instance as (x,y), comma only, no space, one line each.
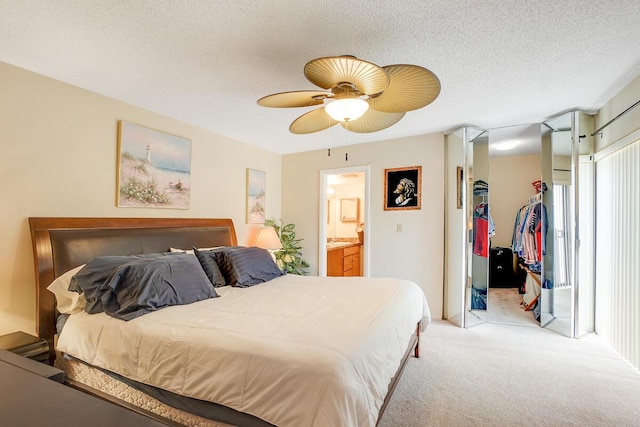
(289,258)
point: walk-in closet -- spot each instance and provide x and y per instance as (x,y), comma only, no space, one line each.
(515,224)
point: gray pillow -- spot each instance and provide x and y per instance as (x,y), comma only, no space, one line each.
(244,267)
(92,276)
(207,259)
(145,285)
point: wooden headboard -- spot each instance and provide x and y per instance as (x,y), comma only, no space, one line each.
(60,244)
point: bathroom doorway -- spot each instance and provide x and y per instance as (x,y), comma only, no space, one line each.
(344,222)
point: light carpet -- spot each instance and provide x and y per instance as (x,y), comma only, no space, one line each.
(507,375)
(503,306)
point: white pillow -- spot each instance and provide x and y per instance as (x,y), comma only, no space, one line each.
(67,302)
(181,251)
(190,251)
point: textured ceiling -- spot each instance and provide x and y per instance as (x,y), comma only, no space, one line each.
(206,62)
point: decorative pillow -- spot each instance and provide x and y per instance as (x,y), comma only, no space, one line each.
(145,285)
(67,302)
(207,259)
(247,266)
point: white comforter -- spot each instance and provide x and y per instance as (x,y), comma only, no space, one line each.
(295,351)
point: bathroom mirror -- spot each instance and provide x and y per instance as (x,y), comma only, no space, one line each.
(349,209)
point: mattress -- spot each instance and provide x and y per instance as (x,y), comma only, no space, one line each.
(294,351)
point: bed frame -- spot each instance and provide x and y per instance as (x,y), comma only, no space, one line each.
(60,244)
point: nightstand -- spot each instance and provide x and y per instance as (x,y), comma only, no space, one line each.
(26,346)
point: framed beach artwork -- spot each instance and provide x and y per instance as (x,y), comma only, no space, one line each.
(459,184)
(256,193)
(402,188)
(154,168)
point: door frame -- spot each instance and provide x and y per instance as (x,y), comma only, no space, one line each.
(322,224)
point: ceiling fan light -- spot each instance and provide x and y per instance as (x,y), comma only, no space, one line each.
(346,109)
(506,145)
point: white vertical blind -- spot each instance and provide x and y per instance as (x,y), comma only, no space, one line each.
(586,264)
(561,248)
(618,251)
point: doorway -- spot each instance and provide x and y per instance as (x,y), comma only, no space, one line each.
(542,238)
(344,222)
(514,178)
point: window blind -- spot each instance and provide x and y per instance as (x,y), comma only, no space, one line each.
(618,251)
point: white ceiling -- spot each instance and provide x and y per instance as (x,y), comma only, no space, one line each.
(206,62)
(526,140)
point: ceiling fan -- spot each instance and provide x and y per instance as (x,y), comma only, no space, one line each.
(359,95)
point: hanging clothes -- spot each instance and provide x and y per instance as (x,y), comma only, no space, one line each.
(481,230)
(483,225)
(480,188)
(529,232)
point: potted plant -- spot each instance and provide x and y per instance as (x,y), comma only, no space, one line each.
(289,258)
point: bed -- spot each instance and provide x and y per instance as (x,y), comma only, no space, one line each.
(293,351)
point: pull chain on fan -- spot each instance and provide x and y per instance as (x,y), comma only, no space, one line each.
(359,95)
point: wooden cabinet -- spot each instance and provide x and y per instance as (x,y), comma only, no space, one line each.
(344,261)
(334,262)
(351,261)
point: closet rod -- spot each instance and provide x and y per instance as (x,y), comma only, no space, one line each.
(598,131)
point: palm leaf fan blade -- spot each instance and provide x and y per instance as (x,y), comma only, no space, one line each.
(329,72)
(313,121)
(299,98)
(410,87)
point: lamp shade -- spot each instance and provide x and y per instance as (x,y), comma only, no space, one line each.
(268,239)
(346,109)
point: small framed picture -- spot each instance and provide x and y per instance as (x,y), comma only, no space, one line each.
(460,183)
(402,188)
(256,196)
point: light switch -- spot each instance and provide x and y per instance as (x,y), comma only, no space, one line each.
(399,228)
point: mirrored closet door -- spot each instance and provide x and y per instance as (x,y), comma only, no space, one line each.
(520,220)
(476,196)
(560,138)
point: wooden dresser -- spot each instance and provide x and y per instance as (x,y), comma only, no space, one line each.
(344,261)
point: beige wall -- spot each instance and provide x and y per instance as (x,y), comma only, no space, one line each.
(59,146)
(626,124)
(455,226)
(510,187)
(416,253)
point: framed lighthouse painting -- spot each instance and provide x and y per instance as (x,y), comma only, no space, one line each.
(154,168)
